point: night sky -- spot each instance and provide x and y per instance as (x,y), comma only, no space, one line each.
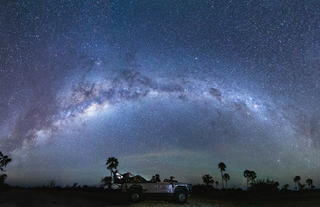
(166,86)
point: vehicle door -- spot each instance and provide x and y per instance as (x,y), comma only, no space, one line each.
(150,187)
(164,187)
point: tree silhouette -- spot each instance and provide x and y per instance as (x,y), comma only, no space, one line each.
(112,164)
(296,180)
(246,174)
(309,182)
(172,179)
(226,178)
(250,176)
(207,179)
(75,185)
(51,184)
(4,161)
(285,187)
(106,181)
(222,168)
(253,176)
(301,186)
(3,177)
(264,186)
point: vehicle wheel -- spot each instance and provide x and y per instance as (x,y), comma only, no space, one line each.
(135,196)
(180,196)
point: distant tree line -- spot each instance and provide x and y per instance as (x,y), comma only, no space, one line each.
(252,183)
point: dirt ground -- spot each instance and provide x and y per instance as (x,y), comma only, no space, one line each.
(31,198)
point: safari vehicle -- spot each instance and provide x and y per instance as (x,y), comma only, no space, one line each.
(138,188)
(179,192)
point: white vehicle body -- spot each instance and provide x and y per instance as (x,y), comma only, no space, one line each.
(179,191)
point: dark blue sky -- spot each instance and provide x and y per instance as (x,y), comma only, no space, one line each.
(170,87)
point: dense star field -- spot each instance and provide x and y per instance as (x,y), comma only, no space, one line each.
(170,87)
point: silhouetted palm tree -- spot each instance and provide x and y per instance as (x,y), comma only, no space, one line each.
(296,180)
(4,160)
(207,179)
(253,176)
(226,178)
(112,163)
(222,168)
(246,174)
(309,182)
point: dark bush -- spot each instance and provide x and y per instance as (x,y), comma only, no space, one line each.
(264,186)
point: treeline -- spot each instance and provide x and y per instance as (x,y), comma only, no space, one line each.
(209,184)
(254,184)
